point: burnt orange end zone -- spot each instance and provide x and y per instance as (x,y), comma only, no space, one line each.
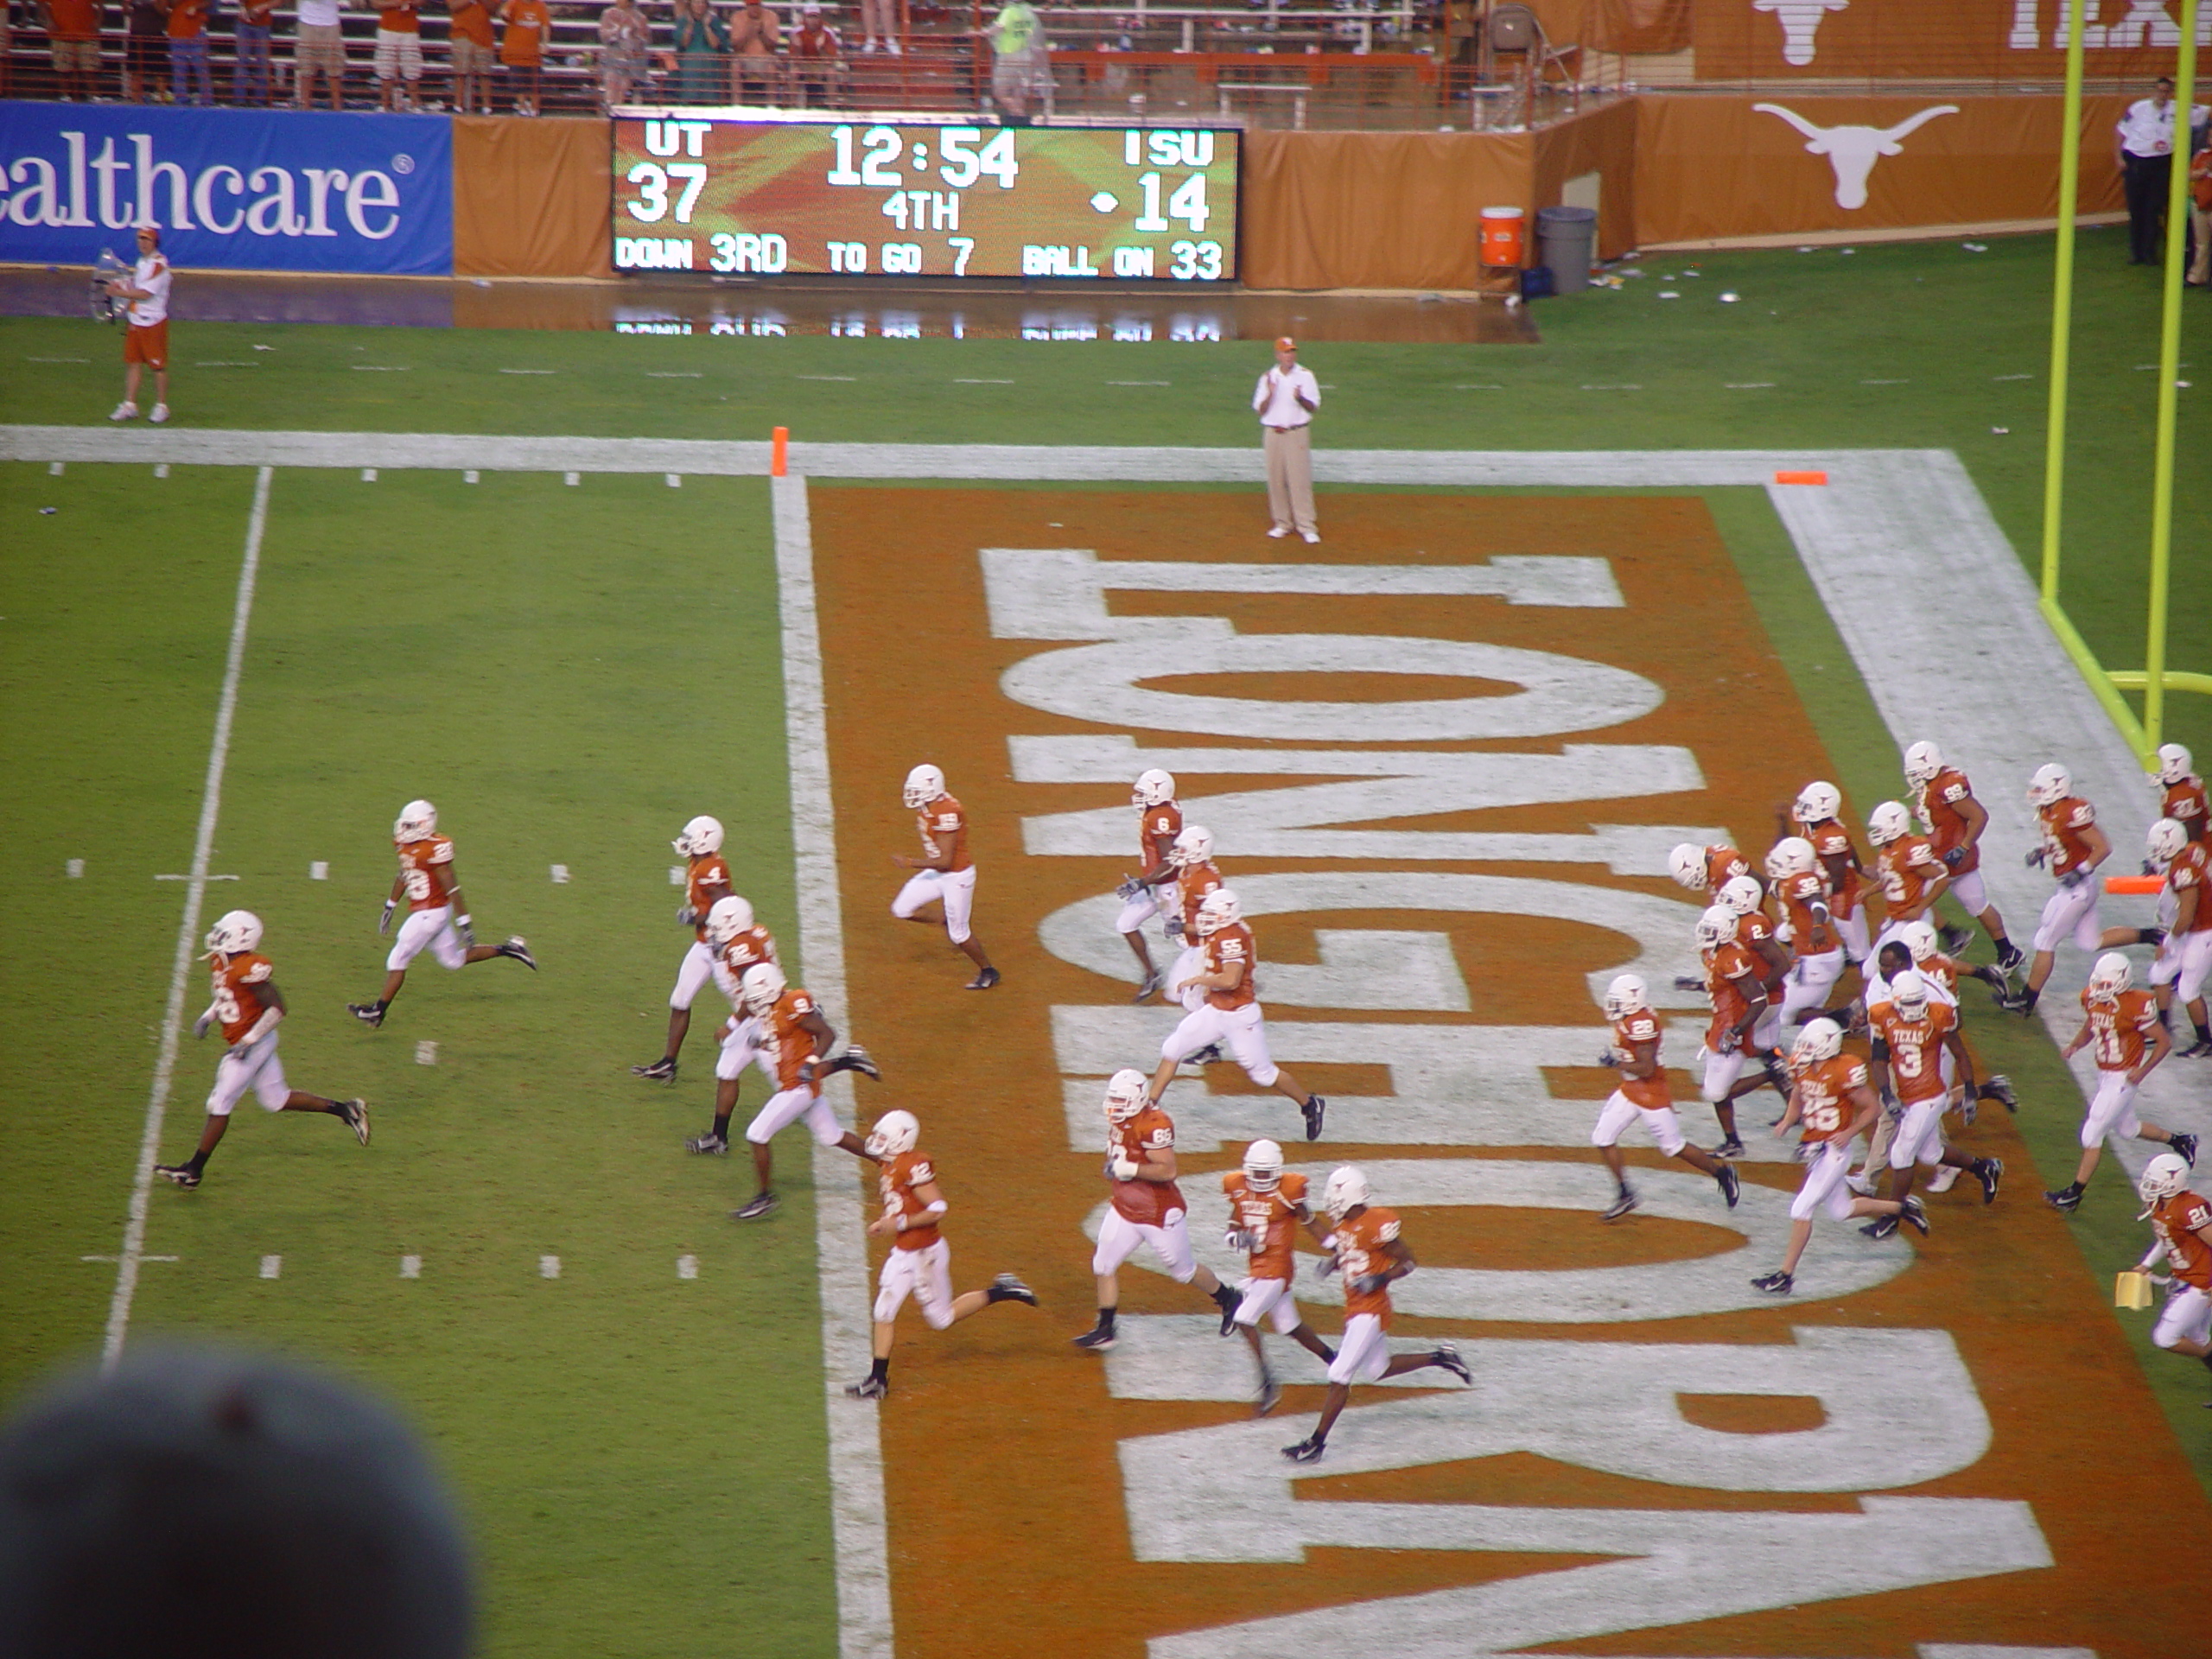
(1007,1530)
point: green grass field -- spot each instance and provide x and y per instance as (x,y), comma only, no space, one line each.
(571,672)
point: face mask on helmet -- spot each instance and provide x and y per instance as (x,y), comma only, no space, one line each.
(234,934)
(2162,1177)
(1217,910)
(730,917)
(702,838)
(1125,1094)
(1792,855)
(2109,977)
(2050,785)
(2174,763)
(1715,927)
(1263,1166)
(1919,937)
(1888,822)
(1740,894)
(1910,992)
(1624,996)
(924,784)
(2167,840)
(1922,763)
(1817,803)
(417,821)
(1822,1039)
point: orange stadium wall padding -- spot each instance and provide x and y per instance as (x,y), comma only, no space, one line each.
(530,198)
(1604,142)
(1714,168)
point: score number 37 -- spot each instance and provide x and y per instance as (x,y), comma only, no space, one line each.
(962,162)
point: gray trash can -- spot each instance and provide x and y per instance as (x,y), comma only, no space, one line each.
(1565,237)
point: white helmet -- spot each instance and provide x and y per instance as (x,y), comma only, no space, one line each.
(1624,996)
(1217,910)
(1715,927)
(1193,846)
(235,932)
(1922,761)
(2167,838)
(2163,1176)
(1919,937)
(1910,992)
(1263,1166)
(762,983)
(701,836)
(924,784)
(2050,785)
(1345,1192)
(1791,855)
(1740,894)
(1126,1095)
(1154,788)
(2174,763)
(1887,822)
(730,917)
(2109,977)
(895,1133)
(1687,865)
(1816,803)
(1820,1039)
(416,820)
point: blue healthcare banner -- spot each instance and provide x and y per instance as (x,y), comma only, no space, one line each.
(230,189)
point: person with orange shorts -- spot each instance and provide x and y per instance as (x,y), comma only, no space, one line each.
(146,339)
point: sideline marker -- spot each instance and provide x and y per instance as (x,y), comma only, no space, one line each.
(469,476)
(560,875)
(2134,883)
(571,479)
(779,444)
(549,1266)
(319,870)
(54,469)
(426,1053)
(1800,477)
(162,469)
(410,1267)
(272,1266)
(368,474)
(75,867)
(686,1267)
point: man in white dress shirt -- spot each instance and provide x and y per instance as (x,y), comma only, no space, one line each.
(2144,141)
(1285,399)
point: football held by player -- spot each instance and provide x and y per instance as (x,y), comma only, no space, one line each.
(1643,1097)
(943,874)
(1265,1208)
(706,884)
(438,920)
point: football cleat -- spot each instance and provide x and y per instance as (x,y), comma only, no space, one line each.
(2197,1050)
(516,949)
(354,1114)
(369,1013)
(1945,1178)
(1775,1284)
(869,1388)
(1149,990)
(982,982)
(1686,983)
(1209,1055)
(1620,1206)
(1777,1077)
(761,1204)
(709,1143)
(1730,1146)
(1316,1108)
(1098,1339)
(855,1058)
(1269,1396)
(1307,1451)
(1861,1182)
(1732,1184)
(661,1071)
(1915,1216)
(1446,1358)
(1989,1172)
(1953,940)
(2010,956)
(1228,1310)
(181,1174)
(2185,1144)
(1999,1088)
(1880,1228)
(2067,1200)
(1007,1288)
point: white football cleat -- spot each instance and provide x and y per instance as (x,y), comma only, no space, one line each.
(125,410)
(161,414)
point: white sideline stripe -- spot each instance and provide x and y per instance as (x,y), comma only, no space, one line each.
(196,891)
(862,1568)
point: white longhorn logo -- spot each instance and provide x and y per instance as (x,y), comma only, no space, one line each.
(1852,152)
(1800,20)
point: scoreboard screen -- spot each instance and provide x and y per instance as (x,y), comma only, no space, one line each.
(924,199)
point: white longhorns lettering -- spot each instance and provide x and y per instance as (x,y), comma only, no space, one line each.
(1800,20)
(1852,152)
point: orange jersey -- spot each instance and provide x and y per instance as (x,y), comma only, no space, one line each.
(1722,864)
(1915,1048)
(794,1042)
(2175,1221)
(1831,840)
(1824,1090)
(237,1007)
(944,827)
(419,869)
(705,873)
(1940,970)
(1753,929)
(1146,1202)
(472,21)
(523,43)
(2184,803)
(1270,1217)
(2120,1031)
(1723,968)
(1810,934)
(1195,882)
(1908,867)
(897,1180)
(1225,949)
(399,18)
(187,20)
(1358,1242)
(1642,1026)
(746,949)
(1936,803)
(1156,833)
(2191,871)
(2063,821)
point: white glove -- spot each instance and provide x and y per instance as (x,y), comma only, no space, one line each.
(1238,1240)
(686,916)
(2035,856)
(384,922)
(200,1026)
(1125,1169)
(468,933)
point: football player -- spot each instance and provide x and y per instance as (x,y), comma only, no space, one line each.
(2130,1042)
(2072,846)
(920,1261)
(1642,1095)
(1230,1013)
(1703,869)
(1832,1104)
(1913,876)
(1365,1251)
(1147,1209)
(1943,800)
(1755,932)
(706,884)
(2185,953)
(2181,1224)
(1815,942)
(1914,1033)
(1265,1209)
(944,873)
(801,1039)
(1734,979)
(739,944)
(1152,890)
(2181,791)
(1196,876)
(437,919)
(1815,812)
(247,1006)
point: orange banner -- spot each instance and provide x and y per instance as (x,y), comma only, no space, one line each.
(1991,39)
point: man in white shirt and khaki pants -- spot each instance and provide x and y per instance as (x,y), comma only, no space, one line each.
(1285,399)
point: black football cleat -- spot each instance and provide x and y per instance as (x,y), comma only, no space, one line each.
(1620,1206)
(761,1204)
(1999,1088)
(1307,1451)
(1732,1184)
(1007,1288)
(708,1142)
(1269,1396)
(1880,1228)
(1313,1110)
(2010,956)
(1235,1299)
(869,1388)
(354,1114)
(1209,1055)
(1953,940)
(369,1013)
(1775,1284)
(1732,1147)
(2185,1144)
(519,951)
(2066,1199)
(1446,1358)
(2196,1051)
(661,1071)
(982,982)
(1686,983)
(1915,1216)
(180,1174)
(1778,1075)
(1149,990)
(1989,1172)
(855,1058)
(1097,1340)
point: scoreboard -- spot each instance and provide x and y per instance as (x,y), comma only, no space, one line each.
(924,199)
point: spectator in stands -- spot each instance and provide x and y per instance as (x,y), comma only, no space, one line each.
(72,32)
(194,1502)
(814,51)
(319,50)
(398,61)
(880,20)
(188,52)
(1017,37)
(624,34)
(250,83)
(756,37)
(700,44)
(145,49)
(472,56)
(522,48)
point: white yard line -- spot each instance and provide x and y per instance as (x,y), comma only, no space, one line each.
(211,806)
(863,1572)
